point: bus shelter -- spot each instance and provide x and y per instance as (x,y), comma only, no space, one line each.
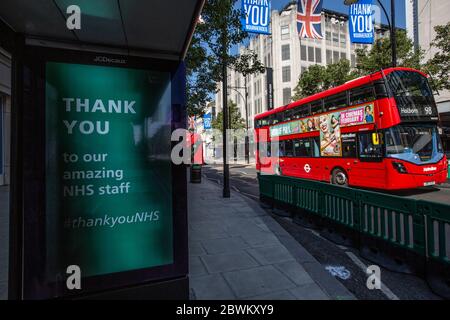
(97,208)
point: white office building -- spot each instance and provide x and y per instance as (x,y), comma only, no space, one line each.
(289,56)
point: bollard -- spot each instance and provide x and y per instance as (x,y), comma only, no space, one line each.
(196,173)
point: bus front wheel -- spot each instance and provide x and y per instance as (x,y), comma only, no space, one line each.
(339,177)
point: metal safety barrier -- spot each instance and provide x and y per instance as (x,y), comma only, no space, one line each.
(401,234)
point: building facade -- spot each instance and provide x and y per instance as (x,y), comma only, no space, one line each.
(288,56)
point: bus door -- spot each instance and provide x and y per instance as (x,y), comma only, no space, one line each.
(368,168)
(287,159)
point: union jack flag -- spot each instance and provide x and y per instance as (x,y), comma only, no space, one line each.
(309,19)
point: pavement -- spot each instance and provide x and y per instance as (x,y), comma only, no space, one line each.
(238,251)
(4,235)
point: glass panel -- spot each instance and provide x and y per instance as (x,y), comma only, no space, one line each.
(288,148)
(316,107)
(318,55)
(303,52)
(412,142)
(311,54)
(335,102)
(412,94)
(366,147)
(361,95)
(303,148)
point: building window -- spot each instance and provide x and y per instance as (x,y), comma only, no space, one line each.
(303,52)
(343,55)
(303,68)
(329,57)
(335,56)
(328,37)
(286,74)
(286,96)
(284,32)
(285,52)
(311,54)
(343,40)
(353,60)
(318,55)
(335,39)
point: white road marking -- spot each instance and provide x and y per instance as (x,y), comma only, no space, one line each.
(384,288)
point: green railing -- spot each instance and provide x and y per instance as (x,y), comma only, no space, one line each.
(418,226)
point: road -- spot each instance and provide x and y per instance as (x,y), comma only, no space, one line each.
(395,285)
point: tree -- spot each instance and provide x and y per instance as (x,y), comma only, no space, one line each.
(380,55)
(318,78)
(220,30)
(237,122)
(439,65)
(200,77)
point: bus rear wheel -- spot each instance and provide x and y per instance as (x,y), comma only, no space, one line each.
(339,177)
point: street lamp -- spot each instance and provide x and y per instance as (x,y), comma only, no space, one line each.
(391,24)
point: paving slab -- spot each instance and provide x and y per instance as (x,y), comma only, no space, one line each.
(227,245)
(196,267)
(257,281)
(211,287)
(271,254)
(238,251)
(228,261)
(309,291)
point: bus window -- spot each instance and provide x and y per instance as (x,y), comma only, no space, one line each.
(348,145)
(288,115)
(380,89)
(288,148)
(303,148)
(301,111)
(336,101)
(367,149)
(361,95)
(316,107)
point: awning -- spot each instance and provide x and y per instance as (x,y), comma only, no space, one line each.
(136,27)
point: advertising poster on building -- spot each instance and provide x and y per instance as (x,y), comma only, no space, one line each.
(108,169)
(361,22)
(256,16)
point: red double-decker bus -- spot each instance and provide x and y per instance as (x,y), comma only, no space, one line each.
(377,131)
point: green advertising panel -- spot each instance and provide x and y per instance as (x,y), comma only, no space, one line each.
(108,169)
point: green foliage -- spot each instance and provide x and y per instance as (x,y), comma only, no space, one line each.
(248,63)
(220,30)
(380,56)
(439,65)
(318,78)
(236,120)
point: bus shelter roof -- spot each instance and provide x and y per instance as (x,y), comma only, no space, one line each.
(137,27)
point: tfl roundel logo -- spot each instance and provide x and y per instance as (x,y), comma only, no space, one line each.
(307,168)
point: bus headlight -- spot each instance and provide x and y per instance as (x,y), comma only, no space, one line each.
(399,167)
